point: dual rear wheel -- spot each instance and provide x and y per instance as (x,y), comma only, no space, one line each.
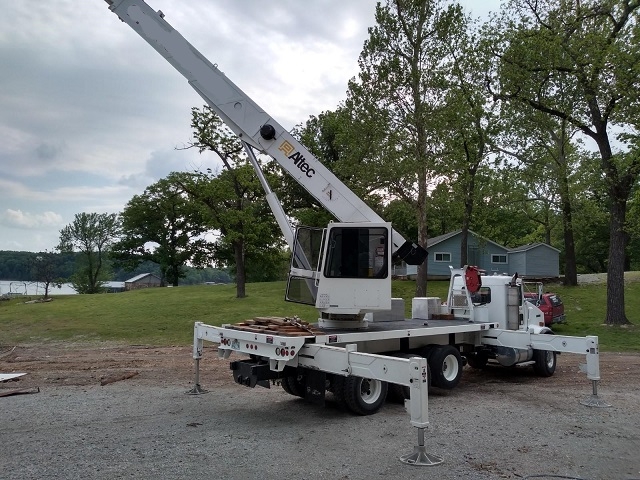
(446,365)
(362,396)
(444,369)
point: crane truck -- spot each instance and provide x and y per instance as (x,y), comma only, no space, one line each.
(362,345)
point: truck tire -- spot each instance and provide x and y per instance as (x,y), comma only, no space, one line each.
(364,396)
(293,385)
(545,362)
(445,362)
(337,387)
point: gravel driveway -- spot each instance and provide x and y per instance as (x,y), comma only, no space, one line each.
(499,423)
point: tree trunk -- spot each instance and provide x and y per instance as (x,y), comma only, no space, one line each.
(570,270)
(618,240)
(466,220)
(241,273)
(423,236)
(421,279)
(464,244)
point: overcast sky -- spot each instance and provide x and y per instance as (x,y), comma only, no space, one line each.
(90,114)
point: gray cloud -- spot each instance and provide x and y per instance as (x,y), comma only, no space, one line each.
(28,220)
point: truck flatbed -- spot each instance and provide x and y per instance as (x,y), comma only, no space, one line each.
(408,328)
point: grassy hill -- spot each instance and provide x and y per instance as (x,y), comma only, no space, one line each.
(165,316)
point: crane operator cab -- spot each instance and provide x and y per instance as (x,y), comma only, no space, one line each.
(344,270)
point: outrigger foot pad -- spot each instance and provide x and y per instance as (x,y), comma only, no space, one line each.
(196,390)
(595,401)
(420,457)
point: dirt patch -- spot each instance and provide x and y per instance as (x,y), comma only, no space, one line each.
(88,364)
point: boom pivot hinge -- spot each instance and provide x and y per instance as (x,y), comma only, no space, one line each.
(267,132)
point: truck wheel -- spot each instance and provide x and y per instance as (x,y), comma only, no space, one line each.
(293,385)
(364,396)
(545,362)
(478,360)
(445,362)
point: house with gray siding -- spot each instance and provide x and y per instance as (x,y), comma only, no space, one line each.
(537,260)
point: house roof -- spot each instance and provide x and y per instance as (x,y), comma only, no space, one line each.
(531,246)
(435,240)
(441,238)
(523,248)
(140,277)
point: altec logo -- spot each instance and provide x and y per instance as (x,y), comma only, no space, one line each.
(298,160)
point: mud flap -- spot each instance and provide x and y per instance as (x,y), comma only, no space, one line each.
(315,386)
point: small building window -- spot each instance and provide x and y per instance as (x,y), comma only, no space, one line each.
(442,257)
(498,259)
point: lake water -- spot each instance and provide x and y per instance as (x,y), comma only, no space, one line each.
(33,288)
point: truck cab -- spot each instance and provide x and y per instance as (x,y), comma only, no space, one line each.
(496,298)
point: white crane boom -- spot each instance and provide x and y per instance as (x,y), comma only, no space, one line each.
(252,124)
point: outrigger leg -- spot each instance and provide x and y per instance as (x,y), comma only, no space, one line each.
(418,407)
(592,368)
(198,345)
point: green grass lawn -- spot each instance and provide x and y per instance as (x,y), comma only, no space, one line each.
(165,316)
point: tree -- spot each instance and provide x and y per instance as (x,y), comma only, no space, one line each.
(590,49)
(165,227)
(44,269)
(235,203)
(91,234)
(548,153)
(470,118)
(500,216)
(397,102)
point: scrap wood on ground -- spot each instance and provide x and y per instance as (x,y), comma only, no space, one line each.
(14,377)
(19,391)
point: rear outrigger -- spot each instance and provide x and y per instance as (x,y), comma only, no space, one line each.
(362,345)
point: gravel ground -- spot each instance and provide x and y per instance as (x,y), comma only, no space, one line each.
(499,423)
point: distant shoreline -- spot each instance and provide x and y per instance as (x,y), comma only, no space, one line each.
(32,288)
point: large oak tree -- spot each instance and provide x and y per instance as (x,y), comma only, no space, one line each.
(234,204)
(590,49)
(165,227)
(397,102)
